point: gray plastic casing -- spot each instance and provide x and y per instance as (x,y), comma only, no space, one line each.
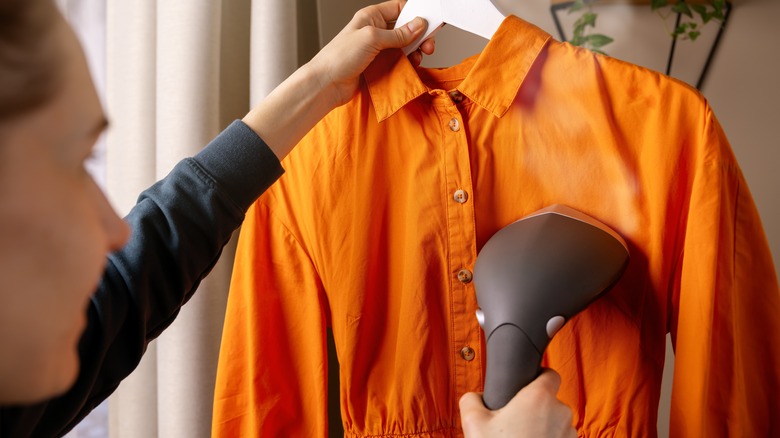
(552,263)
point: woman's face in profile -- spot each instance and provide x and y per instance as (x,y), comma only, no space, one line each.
(56,228)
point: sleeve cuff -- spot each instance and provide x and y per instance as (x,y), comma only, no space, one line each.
(241,163)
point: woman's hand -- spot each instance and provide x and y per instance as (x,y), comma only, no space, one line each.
(534,412)
(340,63)
(331,78)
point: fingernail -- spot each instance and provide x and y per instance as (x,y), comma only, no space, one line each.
(415,24)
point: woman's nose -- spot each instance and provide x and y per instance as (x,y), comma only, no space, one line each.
(116,229)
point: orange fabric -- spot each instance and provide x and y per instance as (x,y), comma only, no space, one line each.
(363,234)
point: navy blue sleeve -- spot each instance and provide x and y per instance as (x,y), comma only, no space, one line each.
(179,227)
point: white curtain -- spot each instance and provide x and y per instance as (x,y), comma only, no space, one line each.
(173,74)
(178,73)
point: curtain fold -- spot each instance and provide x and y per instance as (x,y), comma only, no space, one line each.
(188,36)
(131,37)
(178,72)
(274,49)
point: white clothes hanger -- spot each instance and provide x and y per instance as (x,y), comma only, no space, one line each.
(480,17)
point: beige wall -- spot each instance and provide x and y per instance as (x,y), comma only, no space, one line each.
(742,84)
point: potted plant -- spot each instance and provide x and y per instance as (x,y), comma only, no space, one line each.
(697,14)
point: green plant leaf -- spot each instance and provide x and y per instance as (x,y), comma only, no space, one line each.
(597,40)
(682,8)
(579,31)
(587,19)
(698,15)
(658,4)
(680,30)
(703,12)
(700,9)
(576,6)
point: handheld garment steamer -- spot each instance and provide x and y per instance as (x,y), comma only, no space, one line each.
(530,278)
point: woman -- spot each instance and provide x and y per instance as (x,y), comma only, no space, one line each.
(56,227)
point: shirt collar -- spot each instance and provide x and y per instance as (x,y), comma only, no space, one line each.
(492,82)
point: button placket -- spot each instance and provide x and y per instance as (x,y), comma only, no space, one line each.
(462,242)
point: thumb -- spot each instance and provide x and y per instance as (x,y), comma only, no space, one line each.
(471,401)
(473,414)
(549,379)
(404,35)
(471,405)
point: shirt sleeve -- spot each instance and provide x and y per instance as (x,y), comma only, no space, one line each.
(272,373)
(179,227)
(725,320)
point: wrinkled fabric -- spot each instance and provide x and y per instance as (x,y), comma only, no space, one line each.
(364,234)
